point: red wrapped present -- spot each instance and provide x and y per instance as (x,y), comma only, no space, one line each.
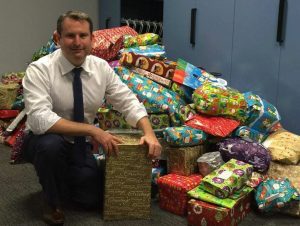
(108,42)
(173,190)
(203,213)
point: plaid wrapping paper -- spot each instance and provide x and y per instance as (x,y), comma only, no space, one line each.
(173,192)
(108,42)
(146,63)
(262,115)
(183,160)
(202,213)
(156,98)
(127,189)
(229,178)
(112,119)
(222,101)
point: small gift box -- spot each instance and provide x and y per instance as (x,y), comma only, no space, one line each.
(183,160)
(229,178)
(173,191)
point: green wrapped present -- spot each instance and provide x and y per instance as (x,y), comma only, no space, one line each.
(226,180)
(229,202)
(222,101)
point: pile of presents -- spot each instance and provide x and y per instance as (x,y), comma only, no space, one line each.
(224,152)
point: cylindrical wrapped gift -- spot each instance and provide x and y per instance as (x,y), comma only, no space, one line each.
(208,162)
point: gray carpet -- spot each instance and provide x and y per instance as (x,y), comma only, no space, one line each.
(20,204)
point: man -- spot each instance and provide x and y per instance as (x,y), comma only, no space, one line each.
(64,163)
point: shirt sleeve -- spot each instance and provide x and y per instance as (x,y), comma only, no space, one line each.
(123,99)
(38,102)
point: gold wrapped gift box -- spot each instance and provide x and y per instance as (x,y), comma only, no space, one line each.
(127,186)
(183,160)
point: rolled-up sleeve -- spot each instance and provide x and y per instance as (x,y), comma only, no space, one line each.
(123,99)
(38,103)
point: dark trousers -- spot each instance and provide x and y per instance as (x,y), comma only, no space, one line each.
(58,175)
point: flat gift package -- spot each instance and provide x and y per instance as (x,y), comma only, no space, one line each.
(173,190)
(183,160)
(229,178)
(202,213)
(127,186)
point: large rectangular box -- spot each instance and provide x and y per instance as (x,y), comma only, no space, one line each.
(203,213)
(127,186)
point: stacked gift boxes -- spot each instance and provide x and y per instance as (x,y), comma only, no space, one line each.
(190,105)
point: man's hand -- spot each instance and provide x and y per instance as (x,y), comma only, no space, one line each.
(153,144)
(108,142)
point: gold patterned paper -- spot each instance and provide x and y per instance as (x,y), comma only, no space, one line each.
(283,146)
(183,160)
(127,189)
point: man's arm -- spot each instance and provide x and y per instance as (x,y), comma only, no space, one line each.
(149,137)
(66,127)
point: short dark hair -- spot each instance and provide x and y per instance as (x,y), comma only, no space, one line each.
(75,15)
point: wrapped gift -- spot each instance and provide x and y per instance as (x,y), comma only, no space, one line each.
(193,77)
(203,213)
(249,134)
(183,160)
(184,136)
(274,194)
(249,152)
(140,40)
(212,99)
(151,65)
(127,185)
(292,172)
(262,115)
(226,180)
(214,125)
(154,51)
(112,119)
(8,94)
(209,162)
(108,42)
(230,202)
(283,146)
(156,98)
(184,91)
(154,77)
(173,190)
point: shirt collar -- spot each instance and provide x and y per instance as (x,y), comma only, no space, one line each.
(67,67)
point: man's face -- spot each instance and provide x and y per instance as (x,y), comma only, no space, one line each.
(75,40)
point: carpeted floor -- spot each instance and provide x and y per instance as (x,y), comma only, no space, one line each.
(20,195)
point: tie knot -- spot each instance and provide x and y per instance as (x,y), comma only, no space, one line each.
(77,70)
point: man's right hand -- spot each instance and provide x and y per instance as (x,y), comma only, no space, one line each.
(108,142)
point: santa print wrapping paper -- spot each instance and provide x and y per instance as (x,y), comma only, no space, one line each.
(173,191)
(202,213)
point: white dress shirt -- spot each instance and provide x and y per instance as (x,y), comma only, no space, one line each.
(48,92)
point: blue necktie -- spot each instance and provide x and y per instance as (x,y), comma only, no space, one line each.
(79,141)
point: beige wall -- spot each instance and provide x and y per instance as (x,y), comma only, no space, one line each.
(26,25)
